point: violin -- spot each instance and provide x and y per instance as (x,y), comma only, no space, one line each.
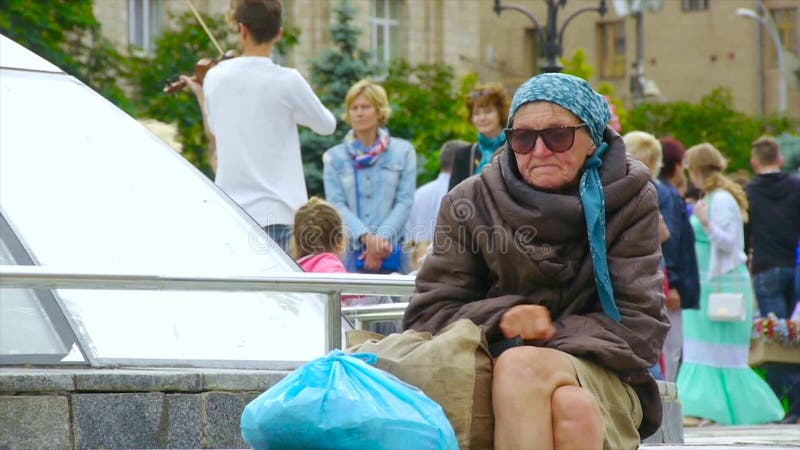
(204,65)
(201,68)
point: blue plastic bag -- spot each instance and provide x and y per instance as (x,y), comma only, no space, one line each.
(341,402)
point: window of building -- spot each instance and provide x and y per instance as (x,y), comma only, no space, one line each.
(611,53)
(786,22)
(386,29)
(144,23)
(694,5)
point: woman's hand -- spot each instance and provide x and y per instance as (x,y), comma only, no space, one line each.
(527,321)
(376,249)
(372,263)
(673,300)
(701,212)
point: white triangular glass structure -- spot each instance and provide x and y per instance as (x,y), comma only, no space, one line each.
(84,185)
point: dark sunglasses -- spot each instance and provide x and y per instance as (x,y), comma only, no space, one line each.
(557,139)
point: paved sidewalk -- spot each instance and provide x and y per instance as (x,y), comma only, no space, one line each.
(766,437)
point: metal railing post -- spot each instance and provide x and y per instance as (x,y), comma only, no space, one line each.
(331,285)
(333,320)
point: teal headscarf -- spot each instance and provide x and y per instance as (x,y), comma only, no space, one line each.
(577,96)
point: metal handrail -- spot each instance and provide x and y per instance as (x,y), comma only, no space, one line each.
(331,285)
(362,315)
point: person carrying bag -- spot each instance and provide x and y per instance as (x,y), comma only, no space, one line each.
(715,380)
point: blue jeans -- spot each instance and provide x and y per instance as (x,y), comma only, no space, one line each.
(784,379)
(281,234)
(774,290)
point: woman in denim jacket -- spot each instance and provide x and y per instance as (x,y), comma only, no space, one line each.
(370,178)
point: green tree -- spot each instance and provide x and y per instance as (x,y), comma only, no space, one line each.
(577,65)
(428,111)
(713,120)
(67,34)
(332,74)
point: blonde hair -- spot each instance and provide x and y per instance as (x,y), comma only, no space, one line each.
(646,148)
(376,95)
(317,229)
(710,164)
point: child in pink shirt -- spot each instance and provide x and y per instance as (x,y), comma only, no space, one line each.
(318,238)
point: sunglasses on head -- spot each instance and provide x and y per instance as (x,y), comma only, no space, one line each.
(477,93)
(557,139)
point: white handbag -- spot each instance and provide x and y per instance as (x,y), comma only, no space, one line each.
(724,307)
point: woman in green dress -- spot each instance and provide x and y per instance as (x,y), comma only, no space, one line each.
(715,381)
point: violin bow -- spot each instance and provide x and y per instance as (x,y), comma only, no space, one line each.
(205,27)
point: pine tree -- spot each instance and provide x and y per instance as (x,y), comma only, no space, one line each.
(332,74)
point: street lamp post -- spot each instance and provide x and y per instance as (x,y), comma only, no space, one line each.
(766,20)
(550,36)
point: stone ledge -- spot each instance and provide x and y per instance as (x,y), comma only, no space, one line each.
(159,407)
(32,380)
(121,380)
(255,380)
(23,380)
(671,430)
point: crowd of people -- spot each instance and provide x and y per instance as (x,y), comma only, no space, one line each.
(574,247)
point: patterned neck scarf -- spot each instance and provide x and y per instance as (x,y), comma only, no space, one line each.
(362,156)
(487,147)
(578,97)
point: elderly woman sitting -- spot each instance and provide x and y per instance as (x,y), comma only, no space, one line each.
(554,250)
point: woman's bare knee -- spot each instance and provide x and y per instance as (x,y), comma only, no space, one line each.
(576,418)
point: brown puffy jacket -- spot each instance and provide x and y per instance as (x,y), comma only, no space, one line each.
(500,243)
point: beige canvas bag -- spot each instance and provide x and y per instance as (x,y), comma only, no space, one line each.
(453,368)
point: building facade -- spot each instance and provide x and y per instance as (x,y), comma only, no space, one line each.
(690,46)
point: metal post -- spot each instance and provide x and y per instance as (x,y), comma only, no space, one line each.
(552,45)
(333,320)
(766,19)
(551,37)
(637,85)
(779,51)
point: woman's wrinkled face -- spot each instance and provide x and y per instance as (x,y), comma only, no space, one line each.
(363,115)
(542,168)
(487,120)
